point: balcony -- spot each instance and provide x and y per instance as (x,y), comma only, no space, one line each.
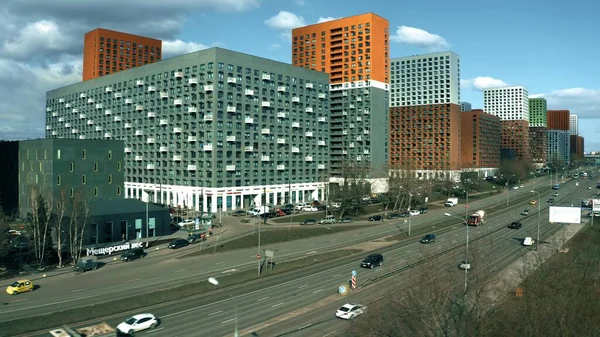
(249,120)
(231,109)
(90,101)
(192,109)
(230,167)
(266,77)
(163,149)
(208,87)
(150,140)
(249,148)
(82,95)
(309,85)
(139,158)
(266,104)
(55,114)
(48,127)
(81,136)
(75,110)
(281,114)
(151,88)
(321,143)
(178,101)
(118,95)
(48,109)
(107,135)
(150,167)
(178,74)
(67,125)
(193,81)
(81,116)
(366,132)
(128,101)
(191,139)
(68,105)
(308,158)
(366,112)
(139,83)
(61,119)
(127,125)
(322,119)
(280,140)
(280,167)
(265,131)
(358,158)
(139,133)
(322,96)
(295,150)
(309,109)
(295,124)
(127,150)
(308,134)
(151,114)
(177,157)
(295,99)
(108,112)
(281,88)
(117,118)
(207,147)
(164,95)
(321,166)
(74,131)
(231,139)
(351,106)
(359,138)
(90,122)
(191,167)
(54,133)
(358,99)
(62,100)
(177,130)
(249,92)
(208,118)
(164,122)
(265,158)
(231,80)
(366,151)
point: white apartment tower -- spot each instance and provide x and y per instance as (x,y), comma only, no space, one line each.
(425,79)
(573,125)
(508,103)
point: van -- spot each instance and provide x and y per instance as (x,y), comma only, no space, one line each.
(528,241)
(133,254)
(330,219)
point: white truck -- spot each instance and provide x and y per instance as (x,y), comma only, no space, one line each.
(451,202)
(98,330)
(477,218)
(257,211)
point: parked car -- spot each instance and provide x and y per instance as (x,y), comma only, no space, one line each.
(414,212)
(528,241)
(20,286)
(239,212)
(178,243)
(345,220)
(133,254)
(86,263)
(423,210)
(186,223)
(350,310)
(330,219)
(394,216)
(515,225)
(138,323)
(310,209)
(372,261)
(525,212)
(465,264)
(429,238)
(375,218)
(301,205)
(308,222)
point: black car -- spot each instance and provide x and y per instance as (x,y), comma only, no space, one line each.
(239,212)
(309,222)
(551,200)
(344,220)
(394,216)
(515,225)
(133,254)
(423,210)
(178,243)
(86,263)
(372,261)
(375,218)
(429,238)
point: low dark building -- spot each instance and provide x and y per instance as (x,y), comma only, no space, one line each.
(508,154)
(9,184)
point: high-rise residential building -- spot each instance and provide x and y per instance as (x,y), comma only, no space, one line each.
(559,148)
(481,134)
(538,112)
(108,51)
(538,143)
(354,51)
(573,125)
(425,114)
(511,104)
(559,120)
(465,106)
(214,129)
(577,143)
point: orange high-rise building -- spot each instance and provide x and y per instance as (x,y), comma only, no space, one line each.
(108,51)
(481,135)
(559,120)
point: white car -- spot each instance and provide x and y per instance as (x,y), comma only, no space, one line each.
(300,206)
(528,241)
(555,194)
(186,223)
(465,265)
(309,209)
(414,212)
(138,323)
(350,310)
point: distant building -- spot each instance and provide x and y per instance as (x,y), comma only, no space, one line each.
(559,148)
(538,112)
(481,134)
(9,184)
(538,141)
(559,120)
(465,106)
(577,143)
(573,125)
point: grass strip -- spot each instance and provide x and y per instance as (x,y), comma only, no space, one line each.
(97,311)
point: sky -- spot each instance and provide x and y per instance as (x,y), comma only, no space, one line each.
(547,46)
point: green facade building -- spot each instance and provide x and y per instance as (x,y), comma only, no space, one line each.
(61,169)
(538,112)
(211,130)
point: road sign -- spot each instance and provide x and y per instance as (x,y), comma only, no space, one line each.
(258,256)
(343,290)
(353,282)
(354,273)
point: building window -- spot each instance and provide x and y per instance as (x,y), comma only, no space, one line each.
(83,179)
(119,166)
(58,180)
(71,192)
(57,154)
(95,191)
(109,154)
(83,154)
(71,166)
(118,190)
(95,166)
(110,178)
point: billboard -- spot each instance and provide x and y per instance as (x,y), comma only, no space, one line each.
(587,203)
(596,205)
(565,214)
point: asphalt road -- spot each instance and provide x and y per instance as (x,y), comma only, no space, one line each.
(214,314)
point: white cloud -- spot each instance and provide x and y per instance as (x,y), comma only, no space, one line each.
(284,22)
(325,19)
(301,3)
(420,38)
(580,101)
(274,46)
(41,43)
(482,82)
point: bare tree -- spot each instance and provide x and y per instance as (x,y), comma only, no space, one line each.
(79,211)
(40,225)
(59,232)
(352,187)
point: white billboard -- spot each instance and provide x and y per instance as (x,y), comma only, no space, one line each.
(595,205)
(565,214)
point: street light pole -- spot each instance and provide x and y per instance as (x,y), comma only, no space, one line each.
(466,246)
(537,242)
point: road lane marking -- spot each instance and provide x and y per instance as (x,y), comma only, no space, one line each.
(328,334)
(262,299)
(311,244)
(137,279)
(214,313)
(77,290)
(229,271)
(276,305)
(229,320)
(21,300)
(310,253)
(304,326)
(336,275)
(316,291)
(303,286)
(155,330)
(220,262)
(180,271)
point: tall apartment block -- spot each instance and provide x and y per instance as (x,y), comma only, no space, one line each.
(573,125)
(354,51)
(538,113)
(465,106)
(577,143)
(481,134)
(559,120)
(511,104)
(108,51)
(425,121)
(559,148)
(214,129)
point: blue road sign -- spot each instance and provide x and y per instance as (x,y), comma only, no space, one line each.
(354,273)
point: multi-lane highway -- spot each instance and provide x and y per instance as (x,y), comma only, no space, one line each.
(159,271)
(214,314)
